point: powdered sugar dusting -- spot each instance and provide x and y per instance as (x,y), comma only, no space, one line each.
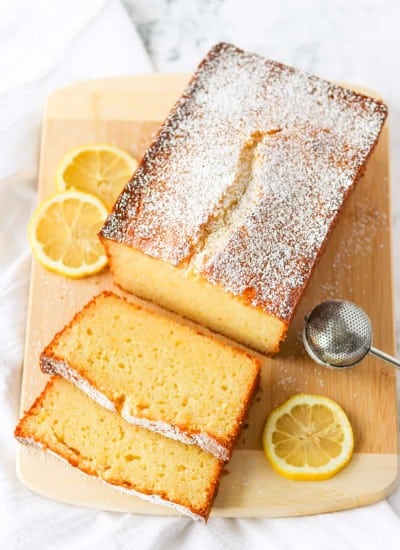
(57,366)
(270,246)
(202,439)
(259,239)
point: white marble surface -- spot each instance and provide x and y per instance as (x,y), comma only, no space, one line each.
(354,41)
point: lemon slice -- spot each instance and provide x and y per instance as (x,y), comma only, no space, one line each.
(101,170)
(63,234)
(309,437)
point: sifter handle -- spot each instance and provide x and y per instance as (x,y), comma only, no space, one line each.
(385,357)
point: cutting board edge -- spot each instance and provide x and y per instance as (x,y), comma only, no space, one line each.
(241,512)
(321,496)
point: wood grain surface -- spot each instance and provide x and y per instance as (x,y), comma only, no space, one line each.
(356,266)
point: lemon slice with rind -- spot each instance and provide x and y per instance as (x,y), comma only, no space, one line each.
(101,170)
(63,234)
(308,437)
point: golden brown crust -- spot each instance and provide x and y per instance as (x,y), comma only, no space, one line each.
(246,406)
(48,353)
(296,300)
(24,436)
(47,350)
(18,432)
(233,100)
(204,511)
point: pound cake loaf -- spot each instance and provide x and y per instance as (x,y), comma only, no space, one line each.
(156,372)
(101,444)
(232,204)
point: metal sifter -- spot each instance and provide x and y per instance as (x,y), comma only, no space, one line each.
(338,334)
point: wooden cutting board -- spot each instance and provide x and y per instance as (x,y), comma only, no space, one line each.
(356,266)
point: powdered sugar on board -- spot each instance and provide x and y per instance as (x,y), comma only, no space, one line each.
(260,234)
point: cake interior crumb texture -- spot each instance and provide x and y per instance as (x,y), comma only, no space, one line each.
(232,204)
(101,444)
(150,367)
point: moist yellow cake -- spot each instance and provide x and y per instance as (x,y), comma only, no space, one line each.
(232,204)
(156,372)
(129,458)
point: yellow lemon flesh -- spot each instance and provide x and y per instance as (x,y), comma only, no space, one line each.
(63,234)
(308,437)
(101,170)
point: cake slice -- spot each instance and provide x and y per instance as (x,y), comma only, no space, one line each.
(101,444)
(232,204)
(156,372)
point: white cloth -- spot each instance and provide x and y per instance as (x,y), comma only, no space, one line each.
(45,45)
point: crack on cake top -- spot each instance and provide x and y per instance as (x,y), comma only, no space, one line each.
(274,231)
